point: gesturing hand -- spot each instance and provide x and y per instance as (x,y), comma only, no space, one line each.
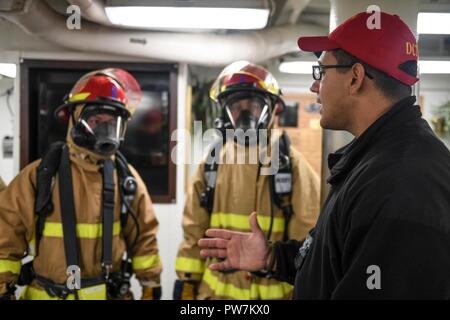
(240,250)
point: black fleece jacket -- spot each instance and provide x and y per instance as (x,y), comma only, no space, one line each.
(384,230)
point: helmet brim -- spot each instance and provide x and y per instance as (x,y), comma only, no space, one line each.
(68,107)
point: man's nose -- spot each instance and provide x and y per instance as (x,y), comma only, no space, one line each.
(315,86)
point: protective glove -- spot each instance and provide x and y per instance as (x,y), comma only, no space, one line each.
(185,290)
(151,293)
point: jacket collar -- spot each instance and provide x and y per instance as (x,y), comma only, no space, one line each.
(344,159)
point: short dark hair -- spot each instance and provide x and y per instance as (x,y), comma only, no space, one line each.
(389,86)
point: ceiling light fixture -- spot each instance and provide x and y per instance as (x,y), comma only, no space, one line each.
(245,14)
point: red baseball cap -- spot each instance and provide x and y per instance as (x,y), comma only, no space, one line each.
(392,48)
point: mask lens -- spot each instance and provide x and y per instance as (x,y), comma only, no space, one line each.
(251,106)
(245,109)
(104,126)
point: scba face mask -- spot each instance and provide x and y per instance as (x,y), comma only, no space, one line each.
(99,129)
(248,113)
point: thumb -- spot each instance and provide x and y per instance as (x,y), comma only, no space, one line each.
(254,223)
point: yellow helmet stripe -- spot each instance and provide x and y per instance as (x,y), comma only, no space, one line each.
(79,96)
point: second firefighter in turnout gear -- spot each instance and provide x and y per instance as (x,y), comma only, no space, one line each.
(223,195)
(81,210)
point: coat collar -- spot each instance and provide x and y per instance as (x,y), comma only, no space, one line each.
(344,159)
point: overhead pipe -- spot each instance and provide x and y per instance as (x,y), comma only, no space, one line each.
(38,19)
(92,10)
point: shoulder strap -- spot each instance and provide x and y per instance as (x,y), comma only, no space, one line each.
(127,187)
(281,182)
(122,163)
(68,213)
(285,144)
(45,175)
(210,174)
(108,201)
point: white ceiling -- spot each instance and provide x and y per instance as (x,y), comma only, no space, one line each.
(283,12)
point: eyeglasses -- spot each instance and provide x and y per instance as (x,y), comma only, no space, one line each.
(319,70)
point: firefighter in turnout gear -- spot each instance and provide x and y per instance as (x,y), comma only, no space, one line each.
(82,211)
(222,195)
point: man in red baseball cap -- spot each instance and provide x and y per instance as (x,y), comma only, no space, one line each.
(384,230)
(380,64)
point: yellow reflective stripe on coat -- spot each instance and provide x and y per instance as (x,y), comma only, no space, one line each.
(225,289)
(256,291)
(10,266)
(184,264)
(146,262)
(91,293)
(239,221)
(84,230)
(276,291)
(30,293)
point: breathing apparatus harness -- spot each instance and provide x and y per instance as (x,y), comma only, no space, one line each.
(280,183)
(56,161)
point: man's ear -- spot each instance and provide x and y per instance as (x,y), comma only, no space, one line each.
(357,73)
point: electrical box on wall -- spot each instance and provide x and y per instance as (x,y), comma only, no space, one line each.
(7,147)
